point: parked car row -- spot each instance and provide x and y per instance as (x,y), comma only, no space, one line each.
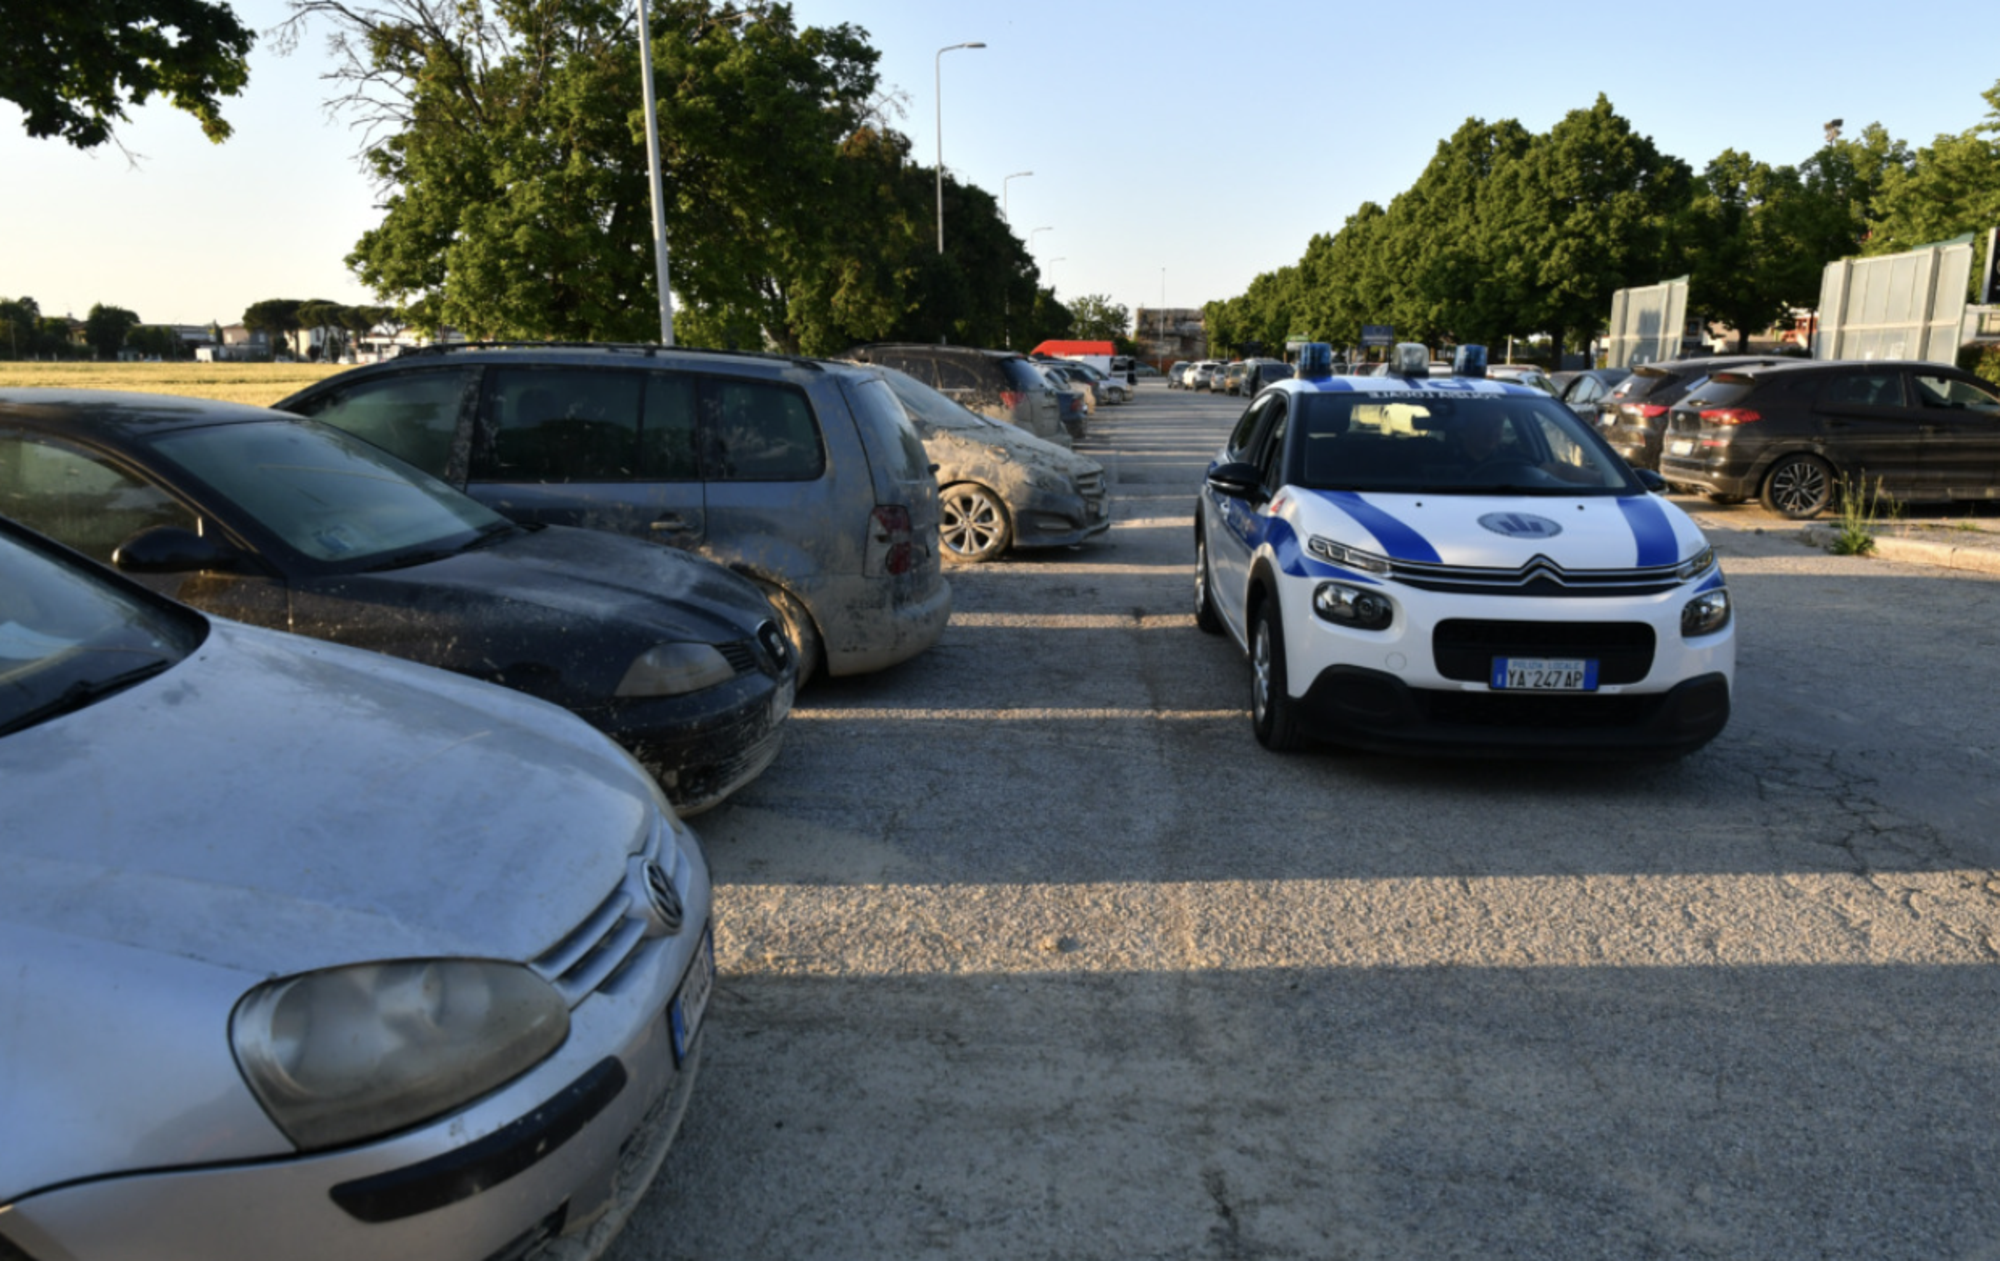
(361,957)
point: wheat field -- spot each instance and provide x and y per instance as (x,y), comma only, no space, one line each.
(259,383)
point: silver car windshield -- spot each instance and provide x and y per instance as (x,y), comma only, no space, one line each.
(69,638)
(927,406)
(1440,442)
(328,496)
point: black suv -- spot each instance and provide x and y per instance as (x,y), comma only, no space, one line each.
(1796,433)
(801,474)
(1635,412)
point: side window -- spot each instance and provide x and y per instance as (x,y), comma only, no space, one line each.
(559,425)
(954,373)
(1273,461)
(413,416)
(667,450)
(79,498)
(760,431)
(1863,389)
(1955,394)
(1241,437)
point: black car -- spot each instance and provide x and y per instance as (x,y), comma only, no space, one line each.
(1795,434)
(1636,410)
(1585,391)
(261,517)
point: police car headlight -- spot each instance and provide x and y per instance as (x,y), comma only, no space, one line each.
(1349,557)
(1697,565)
(1351,606)
(1706,614)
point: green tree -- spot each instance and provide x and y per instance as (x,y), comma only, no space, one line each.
(276,318)
(1951,187)
(156,341)
(1585,211)
(1095,317)
(74,65)
(18,318)
(1756,241)
(105,328)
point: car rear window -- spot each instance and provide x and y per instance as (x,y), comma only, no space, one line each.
(1642,382)
(891,441)
(1021,375)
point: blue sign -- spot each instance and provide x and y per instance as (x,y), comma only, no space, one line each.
(1378,334)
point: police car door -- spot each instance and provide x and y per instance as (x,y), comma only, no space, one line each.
(1235,527)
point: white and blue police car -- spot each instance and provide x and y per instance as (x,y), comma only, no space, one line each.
(1456,564)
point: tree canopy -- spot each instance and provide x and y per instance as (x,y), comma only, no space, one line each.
(73,66)
(509,141)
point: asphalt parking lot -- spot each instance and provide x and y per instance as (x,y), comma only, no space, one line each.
(1029,951)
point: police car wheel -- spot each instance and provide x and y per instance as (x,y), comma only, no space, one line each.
(1206,618)
(1274,715)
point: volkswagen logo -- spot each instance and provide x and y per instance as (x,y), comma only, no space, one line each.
(1520,525)
(663,904)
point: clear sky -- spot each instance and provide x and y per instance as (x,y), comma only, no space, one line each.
(1176,148)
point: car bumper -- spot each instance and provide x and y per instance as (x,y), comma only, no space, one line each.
(1421,684)
(870,624)
(548,1166)
(701,747)
(1057,520)
(1712,475)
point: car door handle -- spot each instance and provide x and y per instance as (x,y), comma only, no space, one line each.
(671,523)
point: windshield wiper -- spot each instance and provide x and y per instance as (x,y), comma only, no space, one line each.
(81,693)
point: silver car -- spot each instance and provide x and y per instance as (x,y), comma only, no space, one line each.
(313,953)
(1001,488)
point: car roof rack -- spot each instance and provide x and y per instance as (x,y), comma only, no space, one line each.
(644,349)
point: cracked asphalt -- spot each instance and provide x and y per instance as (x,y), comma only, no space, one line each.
(1029,951)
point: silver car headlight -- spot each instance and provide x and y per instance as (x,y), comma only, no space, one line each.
(1350,557)
(674,670)
(350,1053)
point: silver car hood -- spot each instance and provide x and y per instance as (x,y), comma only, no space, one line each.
(274,804)
(1020,446)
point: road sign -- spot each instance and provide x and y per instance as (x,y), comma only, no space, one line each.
(1378,335)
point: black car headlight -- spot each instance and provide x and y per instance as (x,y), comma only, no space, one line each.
(1352,606)
(350,1053)
(1706,614)
(675,670)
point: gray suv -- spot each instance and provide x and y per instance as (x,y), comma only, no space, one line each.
(803,475)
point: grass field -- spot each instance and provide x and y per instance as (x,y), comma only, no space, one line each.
(260,383)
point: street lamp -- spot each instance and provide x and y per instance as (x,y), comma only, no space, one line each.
(1031,237)
(653,176)
(1003,193)
(937,64)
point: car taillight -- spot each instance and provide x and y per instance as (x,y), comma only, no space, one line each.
(1012,398)
(1730,416)
(891,541)
(1650,410)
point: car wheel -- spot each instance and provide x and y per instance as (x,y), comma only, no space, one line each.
(1206,618)
(798,626)
(974,526)
(1274,715)
(1799,487)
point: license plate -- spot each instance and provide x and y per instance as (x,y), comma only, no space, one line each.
(691,999)
(1681,446)
(1544,674)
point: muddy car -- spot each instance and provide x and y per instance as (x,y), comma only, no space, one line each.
(998,384)
(1001,488)
(253,515)
(801,474)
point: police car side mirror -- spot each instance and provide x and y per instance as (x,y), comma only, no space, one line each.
(1237,479)
(1653,482)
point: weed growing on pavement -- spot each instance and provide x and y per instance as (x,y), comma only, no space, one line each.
(1859,515)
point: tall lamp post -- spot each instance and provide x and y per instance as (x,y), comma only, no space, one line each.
(938,65)
(1003,193)
(1031,237)
(653,176)
(1162,365)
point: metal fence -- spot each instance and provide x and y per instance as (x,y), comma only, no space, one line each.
(1647,324)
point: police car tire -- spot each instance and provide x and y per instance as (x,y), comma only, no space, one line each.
(1274,715)
(1206,619)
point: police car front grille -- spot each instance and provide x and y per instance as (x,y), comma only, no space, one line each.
(1539,577)
(1464,648)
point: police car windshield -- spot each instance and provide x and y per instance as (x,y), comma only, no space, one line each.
(1440,442)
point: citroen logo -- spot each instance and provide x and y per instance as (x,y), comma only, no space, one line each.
(663,904)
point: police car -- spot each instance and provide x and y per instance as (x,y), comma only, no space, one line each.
(1456,564)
